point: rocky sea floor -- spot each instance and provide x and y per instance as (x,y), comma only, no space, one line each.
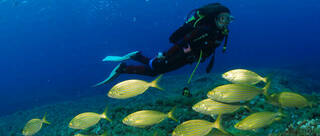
(299,122)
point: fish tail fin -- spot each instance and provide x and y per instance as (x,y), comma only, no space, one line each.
(44,120)
(267,78)
(266,88)
(217,125)
(104,114)
(170,114)
(280,113)
(247,108)
(154,83)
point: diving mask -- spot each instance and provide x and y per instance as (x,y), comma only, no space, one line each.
(225,18)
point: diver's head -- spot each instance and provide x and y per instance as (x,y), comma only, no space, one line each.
(223,20)
(216,14)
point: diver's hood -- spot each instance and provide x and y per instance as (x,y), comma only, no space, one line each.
(213,9)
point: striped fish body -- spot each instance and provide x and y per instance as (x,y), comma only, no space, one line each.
(211,107)
(243,76)
(290,99)
(32,127)
(257,120)
(128,89)
(85,120)
(233,93)
(193,128)
(144,118)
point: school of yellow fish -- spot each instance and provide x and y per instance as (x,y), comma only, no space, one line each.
(224,99)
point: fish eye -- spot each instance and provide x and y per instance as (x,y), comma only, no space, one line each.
(215,93)
(113,93)
(202,105)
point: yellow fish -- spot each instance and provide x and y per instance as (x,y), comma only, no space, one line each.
(87,119)
(258,120)
(34,125)
(211,107)
(233,93)
(197,127)
(243,76)
(289,99)
(131,88)
(146,118)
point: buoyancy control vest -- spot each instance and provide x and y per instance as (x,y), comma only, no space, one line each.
(205,15)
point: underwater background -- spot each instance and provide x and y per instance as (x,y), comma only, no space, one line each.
(51,54)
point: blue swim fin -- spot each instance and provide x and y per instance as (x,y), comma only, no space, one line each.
(113,75)
(120,58)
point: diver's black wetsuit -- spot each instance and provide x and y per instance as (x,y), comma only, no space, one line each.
(205,37)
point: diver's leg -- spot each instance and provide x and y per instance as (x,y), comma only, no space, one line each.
(140,58)
(140,70)
(174,59)
(156,66)
(174,50)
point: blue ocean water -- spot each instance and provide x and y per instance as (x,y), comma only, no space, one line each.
(51,50)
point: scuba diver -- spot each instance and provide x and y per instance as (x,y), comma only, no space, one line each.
(195,40)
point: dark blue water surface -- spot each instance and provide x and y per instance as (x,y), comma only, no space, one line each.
(51,50)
